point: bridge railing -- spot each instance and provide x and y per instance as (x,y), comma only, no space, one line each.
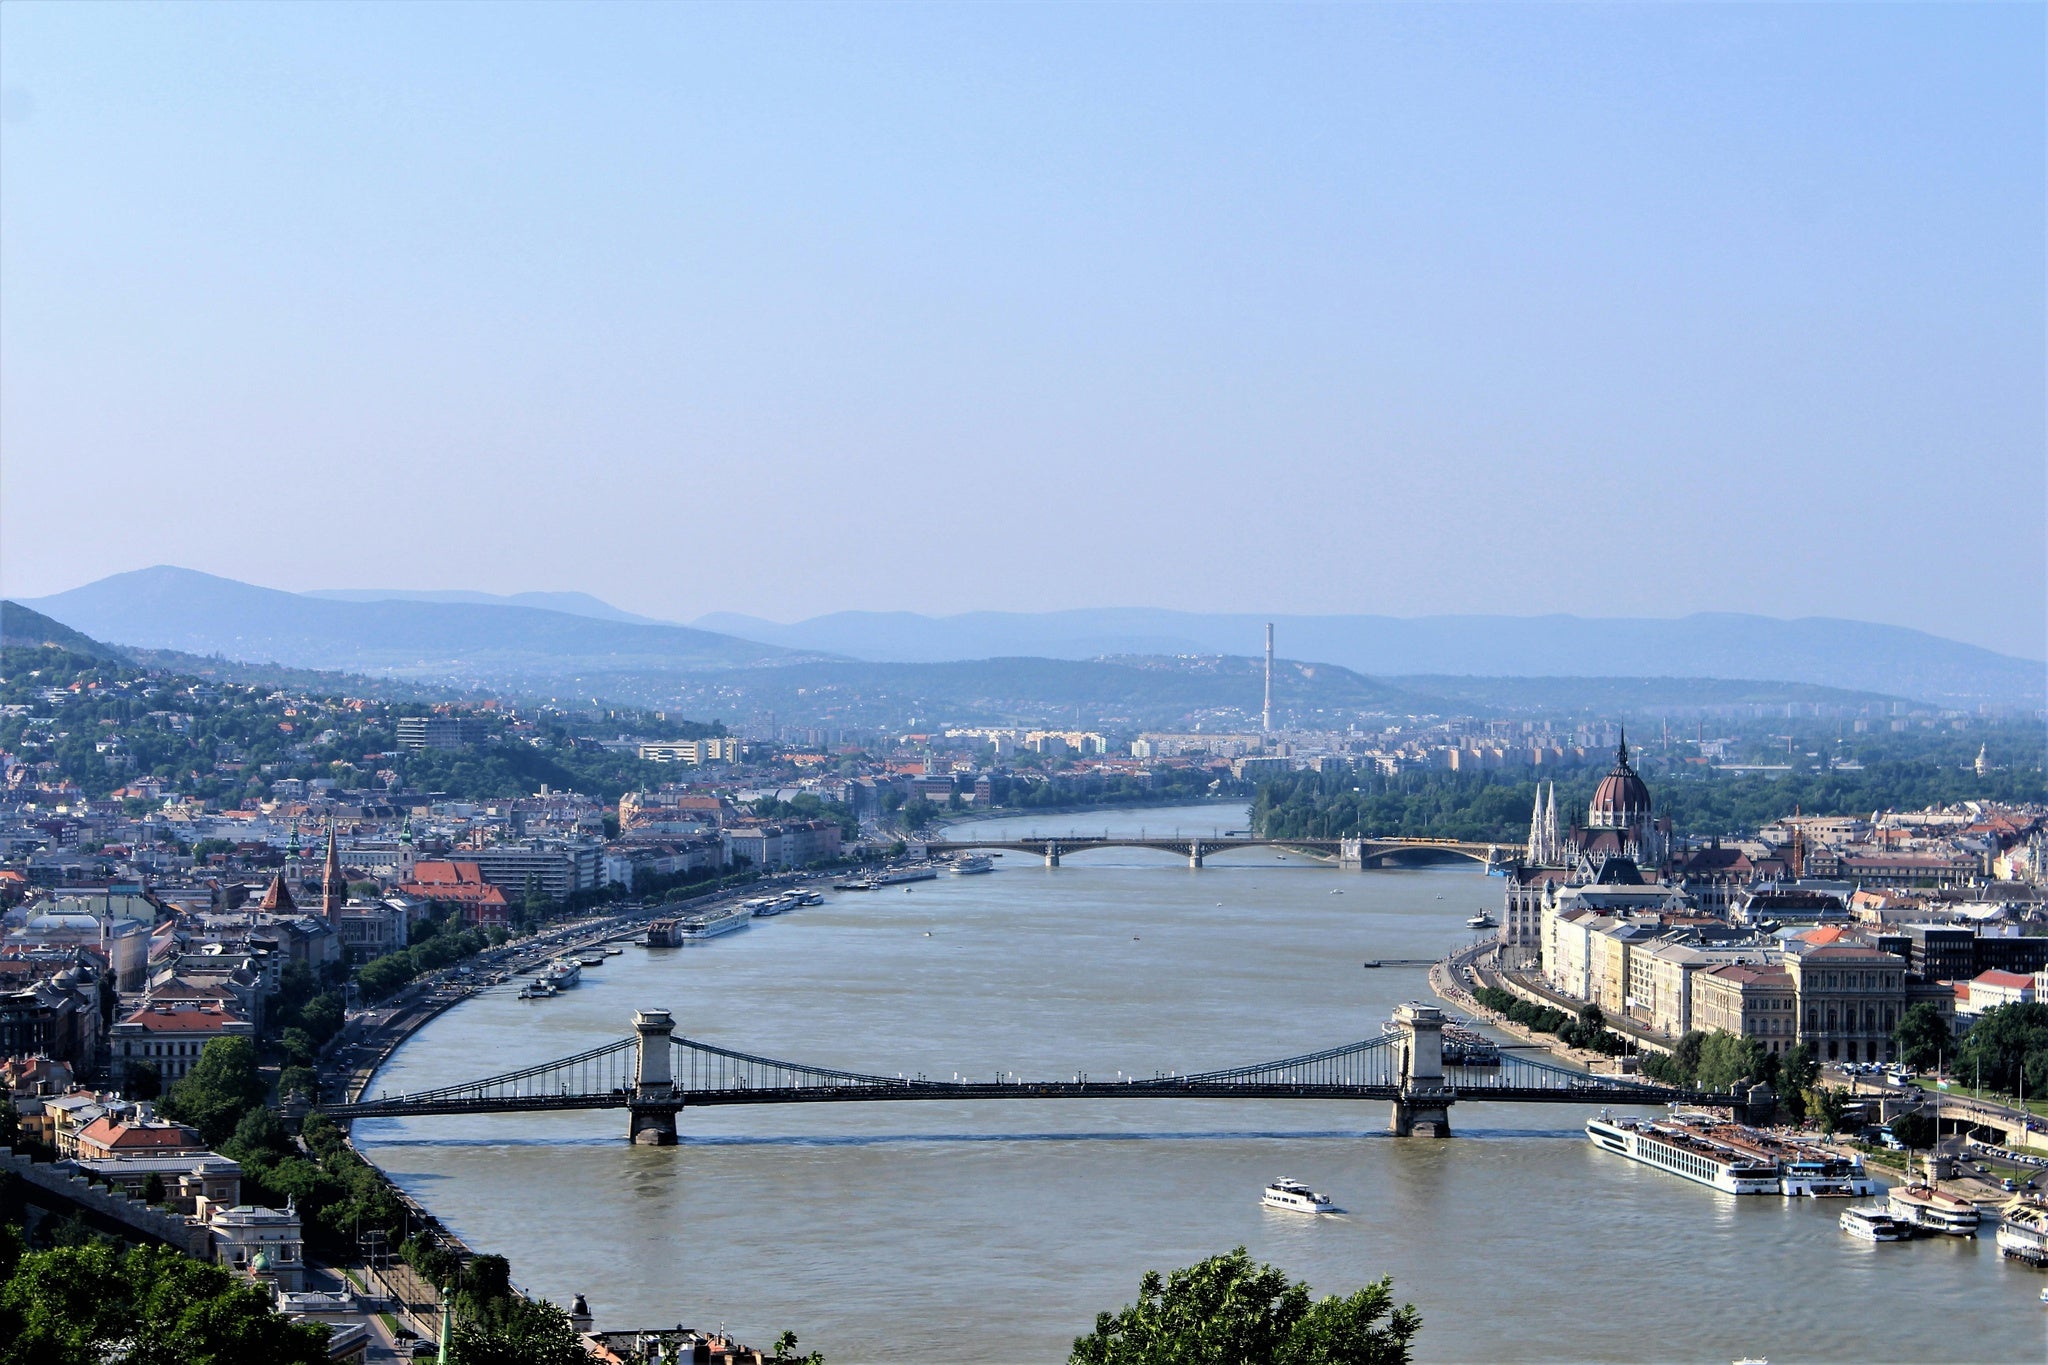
(607,1069)
(704,1067)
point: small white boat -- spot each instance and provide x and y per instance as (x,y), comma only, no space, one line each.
(1294,1197)
(1874,1225)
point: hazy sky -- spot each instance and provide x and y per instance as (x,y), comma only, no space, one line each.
(1404,309)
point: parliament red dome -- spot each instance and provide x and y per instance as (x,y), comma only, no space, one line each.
(1621,799)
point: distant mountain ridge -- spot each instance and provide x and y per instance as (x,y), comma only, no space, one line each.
(1854,656)
(196,613)
(22,626)
(572,603)
(577,644)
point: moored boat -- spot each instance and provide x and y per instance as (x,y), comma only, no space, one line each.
(973,866)
(1932,1210)
(698,927)
(1820,1173)
(1690,1150)
(1873,1225)
(2023,1232)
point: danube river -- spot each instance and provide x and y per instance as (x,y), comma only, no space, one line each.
(994,1231)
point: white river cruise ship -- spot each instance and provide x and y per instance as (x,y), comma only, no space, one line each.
(1686,1151)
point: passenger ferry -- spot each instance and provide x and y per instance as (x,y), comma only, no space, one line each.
(1687,1150)
(1294,1197)
(563,973)
(1932,1210)
(696,927)
(2023,1235)
(1482,920)
(1874,1225)
(907,874)
(1816,1173)
(973,866)
(537,990)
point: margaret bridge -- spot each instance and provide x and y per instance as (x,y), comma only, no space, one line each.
(1358,853)
(655,1075)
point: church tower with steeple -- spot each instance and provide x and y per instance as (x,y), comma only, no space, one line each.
(333,886)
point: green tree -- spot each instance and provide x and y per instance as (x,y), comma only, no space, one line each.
(1798,1069)
(222,1085)
(1726,1058)
(143,1082)
(1916,1130)
(2005,1044)
(152,1306)
(1687,1053)
(1228,1311)
(298,1047)
(1923,1037)
(516,1331)
(1830,1106)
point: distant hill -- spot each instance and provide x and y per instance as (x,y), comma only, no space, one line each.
(573,603)
(1854,655)
(454,642)
(1611,697)
(23,626)
(1136,693)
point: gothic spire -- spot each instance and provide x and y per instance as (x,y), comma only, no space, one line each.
(332,888)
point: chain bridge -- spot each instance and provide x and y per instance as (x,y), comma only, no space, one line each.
(655,1075)
(1359,853)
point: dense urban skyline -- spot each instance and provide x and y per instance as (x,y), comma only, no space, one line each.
(1612,312)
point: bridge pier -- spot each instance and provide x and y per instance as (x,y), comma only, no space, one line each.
(653,1106)
(1424,1105)
(1425,1119)
(1052,855)
(1195,853)
(650,1126)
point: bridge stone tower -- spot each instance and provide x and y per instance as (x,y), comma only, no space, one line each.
(654,1102)
(1424,1105)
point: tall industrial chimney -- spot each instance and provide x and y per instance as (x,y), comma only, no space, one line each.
(1266,717)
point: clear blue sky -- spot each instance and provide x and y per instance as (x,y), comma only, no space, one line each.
(1404,309)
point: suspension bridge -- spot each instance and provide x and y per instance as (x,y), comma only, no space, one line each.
(1359,853)
(654,1075)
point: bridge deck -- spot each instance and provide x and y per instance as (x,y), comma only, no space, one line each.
(687,1073)
(1593,1093)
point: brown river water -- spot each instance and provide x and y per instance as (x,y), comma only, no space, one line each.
(995,1230)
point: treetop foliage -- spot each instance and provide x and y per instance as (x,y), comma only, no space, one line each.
(1229,1311)
(92,1305)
